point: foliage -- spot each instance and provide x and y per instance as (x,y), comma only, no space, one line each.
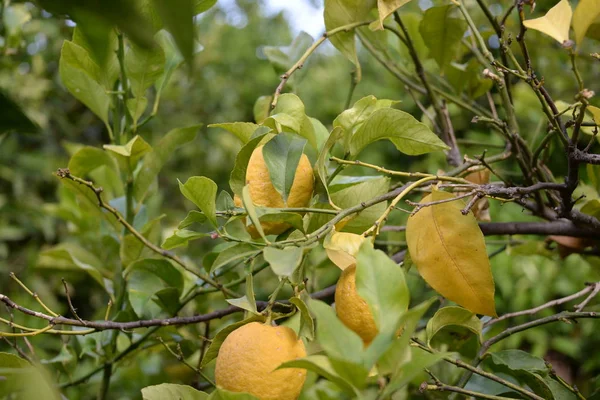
(126,270)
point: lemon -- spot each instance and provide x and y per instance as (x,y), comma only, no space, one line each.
(263,193)
(352,309)
(249,356)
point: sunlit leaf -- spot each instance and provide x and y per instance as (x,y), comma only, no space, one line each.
(342,247)
(243,130)
(386,8)
(555,23)
(402,129)
(449,251)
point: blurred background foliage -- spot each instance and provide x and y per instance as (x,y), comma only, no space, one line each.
(231,70)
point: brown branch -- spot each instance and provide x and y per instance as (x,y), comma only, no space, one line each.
(105,325)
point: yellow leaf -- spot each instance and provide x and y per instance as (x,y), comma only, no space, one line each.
(595,113)
(449,251)
(341,247)
(555,23)
(385,9)
(584,16)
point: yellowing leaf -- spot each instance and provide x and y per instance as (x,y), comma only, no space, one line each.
(584,16)
(386,8)
(555,23)
(595,113)
(341,248)
(449,251)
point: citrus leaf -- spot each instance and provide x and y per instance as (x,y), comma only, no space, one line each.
(282,155)
(322,366)
(595,113)
(237,179)
(584,16)
(233,253)
(453,326)
(442,34)
(144,67)
(262,108)
(222,394)
(135,149)
(192,217)
(555,23)
(386,8)
(336,339)
(171,391)
(343,12)
(243,130)
(246,302)
(219,338)
(291,113)
(449,251)
(178,18)
(251,210)
(322,159)
(201,191)
(408,135)
(350,119)
(181,237)
(381,282)
(307,325)
(283,261)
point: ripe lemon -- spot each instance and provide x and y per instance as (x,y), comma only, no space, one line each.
(249,356)
(352,309)
(264,194)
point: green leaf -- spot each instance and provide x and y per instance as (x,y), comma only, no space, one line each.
(236,252)
(343,12)
(291,114)
(338,341)
(154,161)
(519,360)
(323,159)
(178,17)
(350,119)
(81,76)
(282,58)
(145,278)
(132,249)
(100,42)
(262,108)
(171,391)
(181,237)
(237,180)
(419,360)
(408,135)
(193,217)
(283,261)
(468,78)
(203,5)
(382,284)
(173,60)
(201,191)
(592,207)
(219,338)
(442,34)
(24,381)
(136,107)
(246,302)
(131,152)
(282,155)
(307,325)
(322,366)
(12,117)
(453,326)
(354,195)
(399,352)
(243,130)
(143,67)
(251,210)
(70,256)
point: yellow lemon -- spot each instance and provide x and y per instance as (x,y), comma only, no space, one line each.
(249,356)
(264,194)
(352,309)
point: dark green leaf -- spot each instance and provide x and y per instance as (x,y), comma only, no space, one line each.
(12,117)
(442,34)
(252,215)
(203,5)
(419,360)
(178,18)
(453,326)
